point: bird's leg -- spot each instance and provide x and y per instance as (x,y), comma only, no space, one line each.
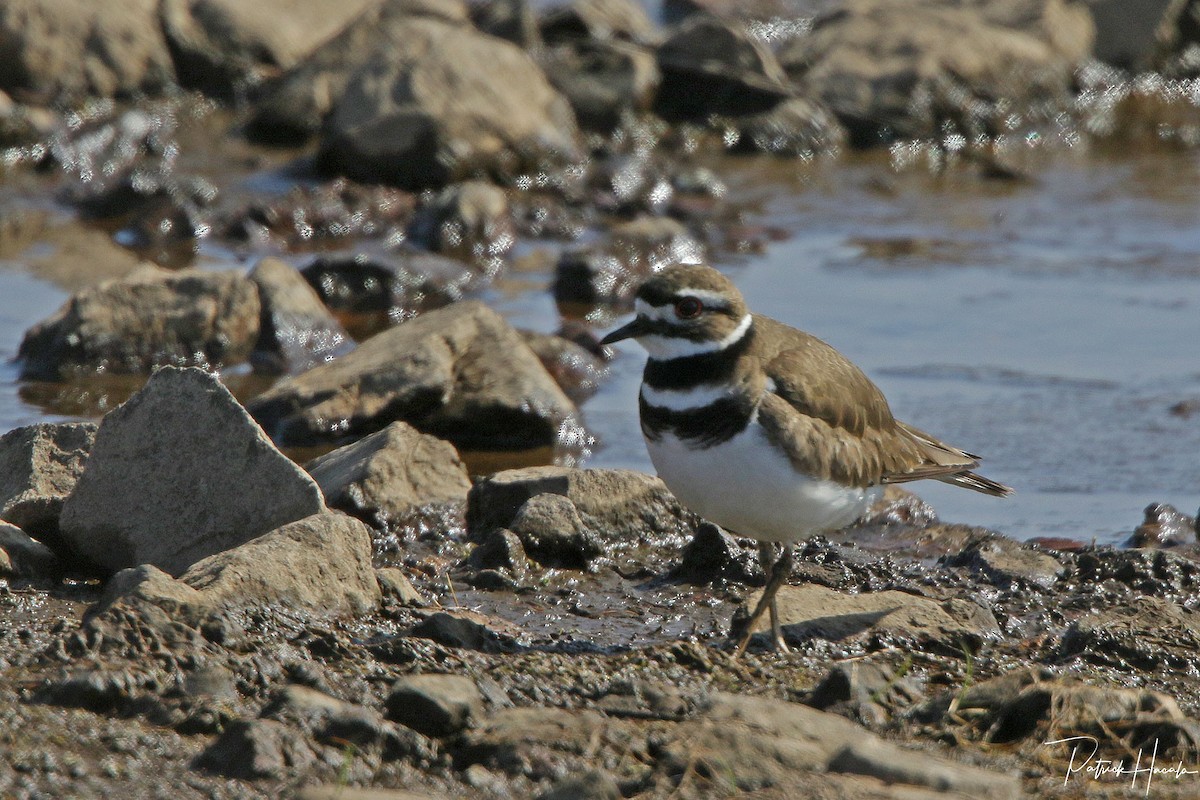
(777,574)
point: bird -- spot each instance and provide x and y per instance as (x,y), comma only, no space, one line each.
(765,430)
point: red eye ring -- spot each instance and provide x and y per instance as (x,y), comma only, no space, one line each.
(688,308)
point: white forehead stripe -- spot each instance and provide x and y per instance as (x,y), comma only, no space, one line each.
(684,399)
(706,296)
(665,348)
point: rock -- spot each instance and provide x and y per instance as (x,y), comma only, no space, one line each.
(391,284)
(39,466)
(611,274)
(394,584)
(467,630)
(537,741)
(443,103)
(1150,636)
(604,82)
(435,705)
(150,318)
(320,564)
(469,220)
(713,66)
(385,475)
(293,107)
(1131,35)
(552,532)
(868,692)
(513,20)
(591,785)
(71,49)
(500,550)
(1005,562)
(23,557)
(1159,573)
(1035,704)
(297,331)
(797,127)
(577,370)
(341,792)
(813,611)
(1164,526)
(891,70)
(461,373)
(225,46)
(621,510)
(257,749)
(715,557)
(597,20)
(177,473)
(759,742)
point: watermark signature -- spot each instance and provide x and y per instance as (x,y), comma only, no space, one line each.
(1142,771)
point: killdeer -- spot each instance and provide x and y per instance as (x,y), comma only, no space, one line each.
(766,430)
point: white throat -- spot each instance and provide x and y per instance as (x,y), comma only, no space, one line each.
(665,348)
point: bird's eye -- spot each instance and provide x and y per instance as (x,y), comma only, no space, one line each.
(688,308)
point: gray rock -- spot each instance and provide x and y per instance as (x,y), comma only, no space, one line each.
(1131,34)
(713,556)
(150,318)
(577,370)
(297,331)
(713,66)
(223,46)
(254,749)
(469,220)
(619,509)
(797,127)
(1163,526)
(71,49)
(177,473)
(444,102)
(867,691)
(294,107)
(23,557)
(1152,635)
(542,741)
(598,20)
(513,20)
(467,630)
(394,584)
(460,373)
(39,466)
(320,564)
(906,69)
(603,81)
(500,549)
(813,611)
(1004,562)
(387,474)
(553,533)
(435,705)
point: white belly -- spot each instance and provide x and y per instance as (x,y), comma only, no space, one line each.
(749,488)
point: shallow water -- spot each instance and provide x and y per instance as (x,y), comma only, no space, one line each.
(1049,324)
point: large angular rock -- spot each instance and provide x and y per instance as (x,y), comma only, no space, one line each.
(460,373)
(23,557)
(389,473)
(319,564)
(443,103)
(892,69)
(298,331)
(294,106)
(435,705)
(150,318)
(177,473)
(39,466)
(60,49)
(221,46)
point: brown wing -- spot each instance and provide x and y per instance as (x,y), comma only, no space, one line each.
(835,423)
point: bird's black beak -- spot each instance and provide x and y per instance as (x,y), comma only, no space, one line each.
(629,331)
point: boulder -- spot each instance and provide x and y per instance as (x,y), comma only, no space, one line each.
(177,473)
(297,331)
(603,81)
(71,49)
(442,103)
(460,373)
(469,220)
(39,466)
(598,20)
(817,612)
(23,557)
(293,107)
(225,46)
(435,705)
(1163,526)
(1133,34)
(385,475)
(1005,562)
(150,318)
(577,370)
(319,565)
(713,66)
(907,69)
